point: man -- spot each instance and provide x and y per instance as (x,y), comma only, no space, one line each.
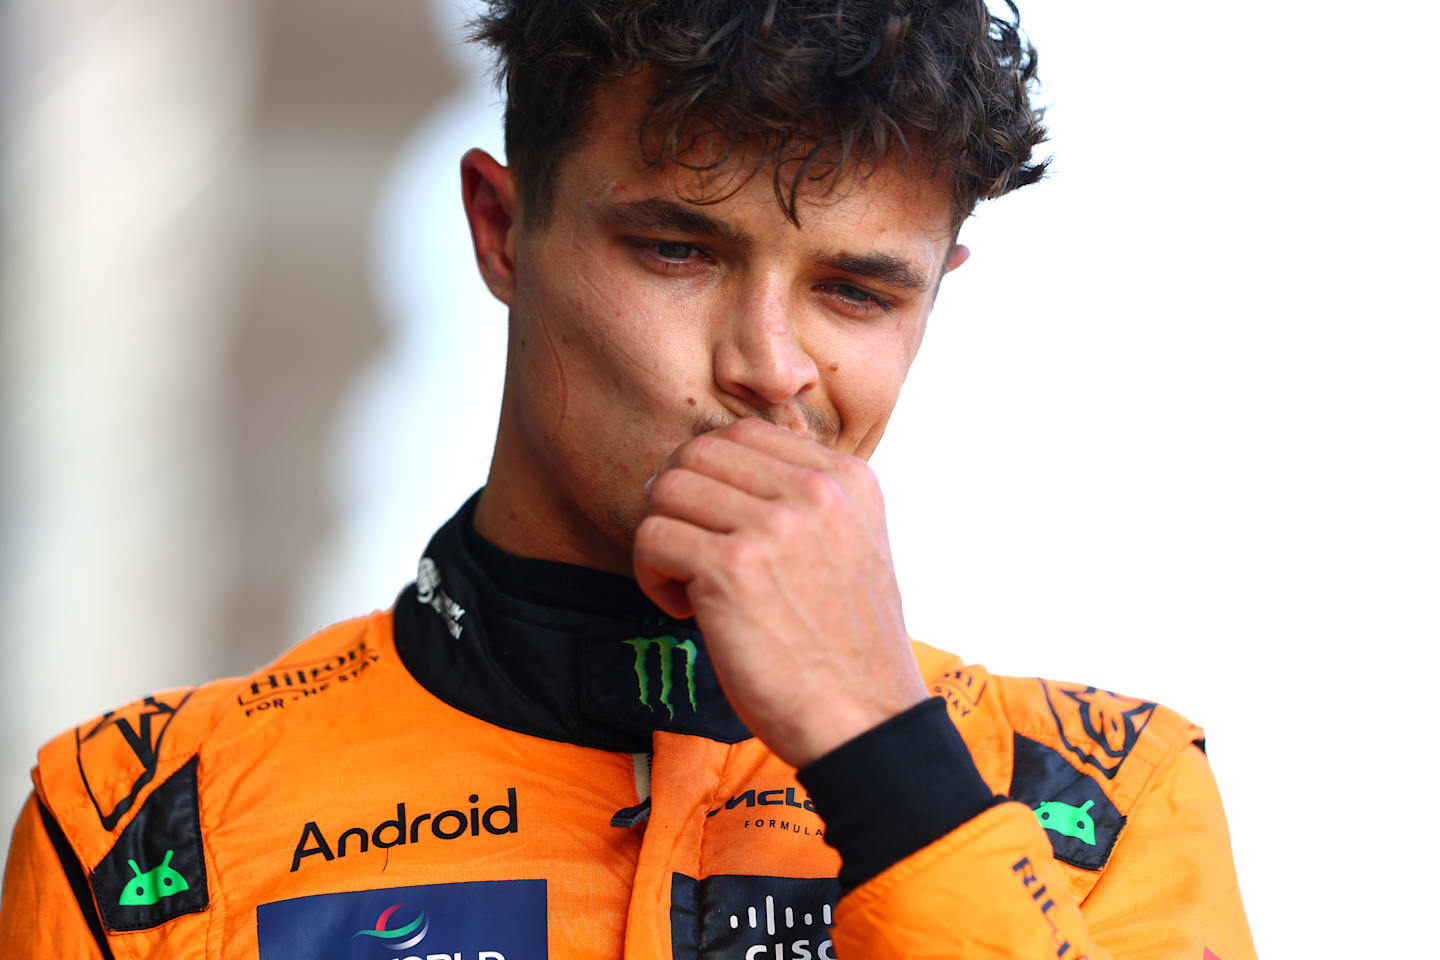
(651,694)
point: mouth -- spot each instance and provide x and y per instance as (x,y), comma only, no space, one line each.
(805,421)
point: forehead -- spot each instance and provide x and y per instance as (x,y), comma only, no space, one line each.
(608,164)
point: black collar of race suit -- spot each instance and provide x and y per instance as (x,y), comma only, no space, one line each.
(552,649)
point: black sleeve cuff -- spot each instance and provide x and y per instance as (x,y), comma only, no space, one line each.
(895,789)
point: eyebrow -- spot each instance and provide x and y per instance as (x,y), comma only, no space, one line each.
(656,213)
(659,214)
(887,268)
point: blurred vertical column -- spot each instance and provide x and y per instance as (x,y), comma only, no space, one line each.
(187,189)
(121,228)
(344,83)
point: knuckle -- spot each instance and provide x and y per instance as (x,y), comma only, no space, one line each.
(820,488)
(748,426)
(667,486)
(782,521)
(648,534)
(856,472)
(741,553)
(695,453)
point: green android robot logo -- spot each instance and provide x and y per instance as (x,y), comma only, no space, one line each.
(1066,820)
(148,887)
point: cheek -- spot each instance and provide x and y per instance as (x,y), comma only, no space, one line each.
(618,329)
(871,363)
(616,341)
(863,376)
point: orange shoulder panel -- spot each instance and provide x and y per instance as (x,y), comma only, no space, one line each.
(1137,862)
(39,913)
(125,791)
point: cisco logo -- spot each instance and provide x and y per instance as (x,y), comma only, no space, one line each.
(784,948)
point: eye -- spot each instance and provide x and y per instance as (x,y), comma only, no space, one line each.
(669,253)
(853,296)
(674,251)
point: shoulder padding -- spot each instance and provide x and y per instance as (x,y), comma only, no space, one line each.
(1115,739)
(105,780)
(1119,741)
(1078,755)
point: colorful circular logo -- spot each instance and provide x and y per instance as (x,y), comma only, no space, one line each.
(398,938)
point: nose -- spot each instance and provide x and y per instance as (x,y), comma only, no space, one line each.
(759,358)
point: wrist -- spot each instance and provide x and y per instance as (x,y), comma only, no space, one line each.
(836,721)
(894,790)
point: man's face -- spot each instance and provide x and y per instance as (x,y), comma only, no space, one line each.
(639,320)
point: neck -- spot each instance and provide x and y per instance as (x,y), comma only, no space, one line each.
(526,512)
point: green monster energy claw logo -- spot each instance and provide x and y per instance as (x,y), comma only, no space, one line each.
(667,646)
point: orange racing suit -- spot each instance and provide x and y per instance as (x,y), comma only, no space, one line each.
(524,759)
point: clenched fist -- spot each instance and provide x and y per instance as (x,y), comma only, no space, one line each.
(777,545)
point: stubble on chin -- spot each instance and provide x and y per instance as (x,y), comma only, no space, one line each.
(623,524)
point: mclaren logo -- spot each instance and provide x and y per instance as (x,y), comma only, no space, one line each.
(666,648)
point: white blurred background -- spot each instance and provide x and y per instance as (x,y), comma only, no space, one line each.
(1175,429)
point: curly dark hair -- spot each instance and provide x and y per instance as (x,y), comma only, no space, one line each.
(823,88)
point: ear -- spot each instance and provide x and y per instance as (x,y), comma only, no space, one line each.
(959,255)
(491,209)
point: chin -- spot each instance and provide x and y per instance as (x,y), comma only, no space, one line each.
(618,523)
(622,524)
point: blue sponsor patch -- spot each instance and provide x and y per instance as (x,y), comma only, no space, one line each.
(482,920)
